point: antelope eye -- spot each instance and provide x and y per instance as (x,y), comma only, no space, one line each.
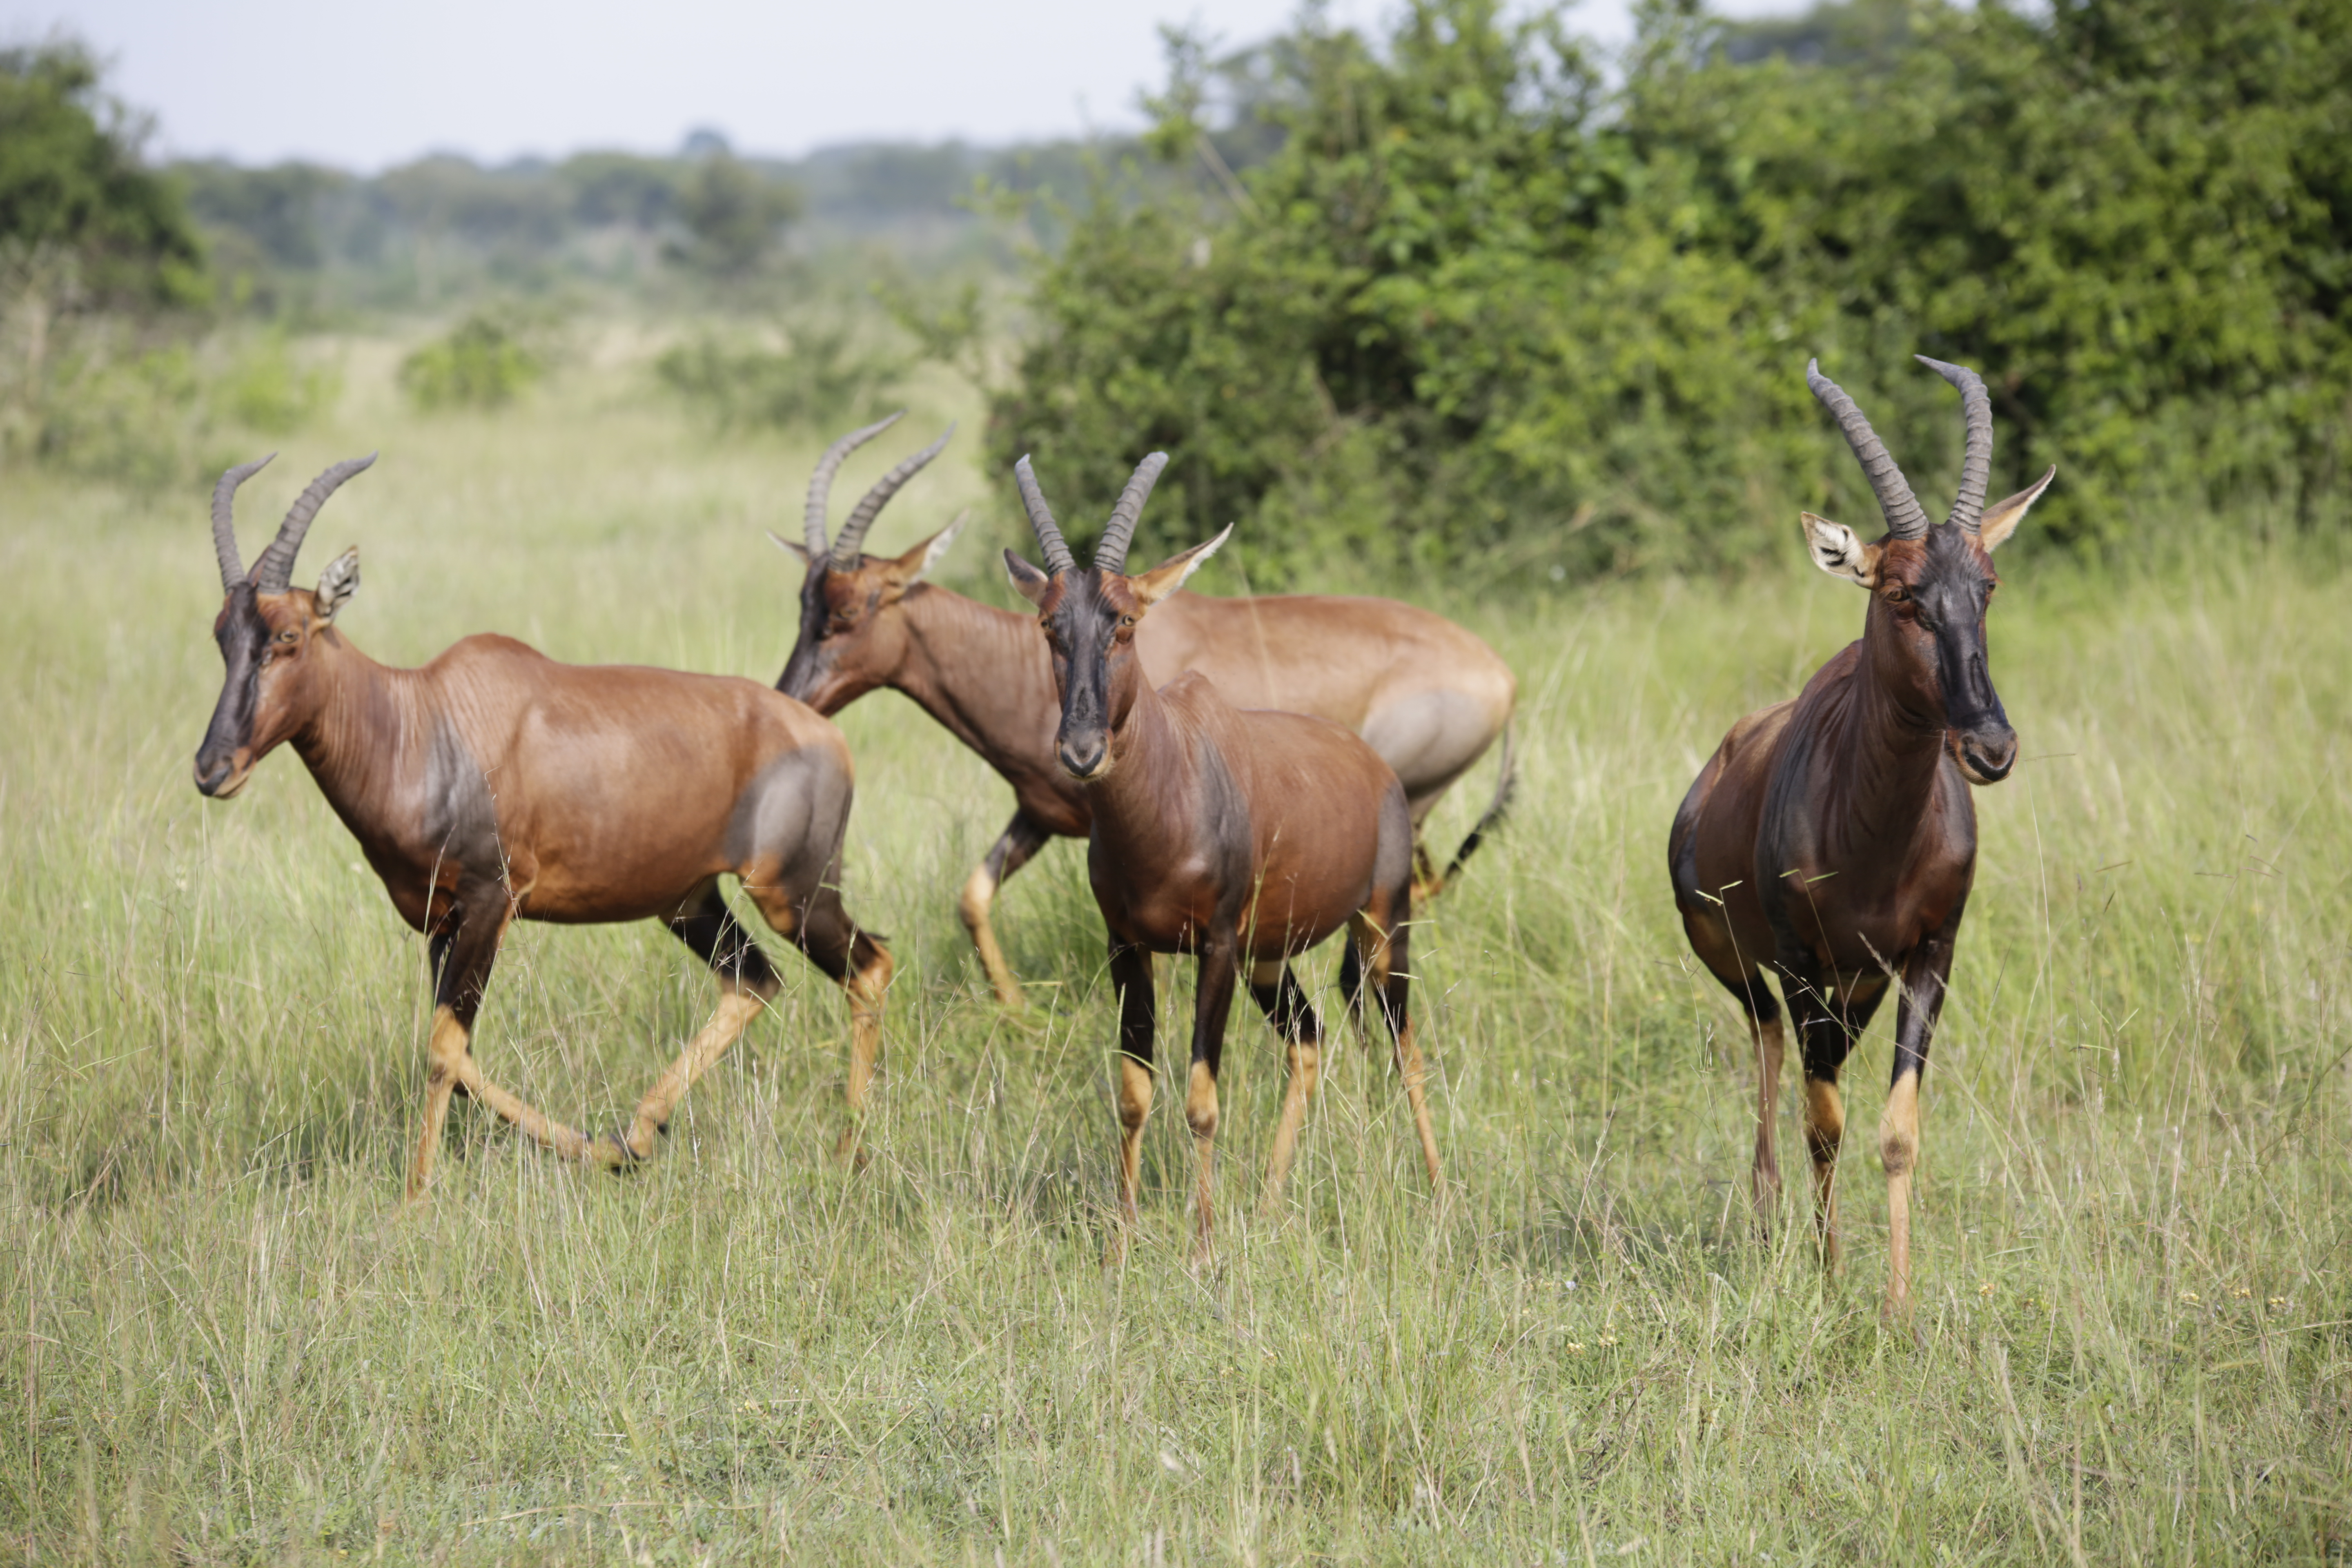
(1898,594)
(1126,621)
(287,635)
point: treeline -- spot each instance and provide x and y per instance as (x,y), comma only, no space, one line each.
(298,235)
(1457,296)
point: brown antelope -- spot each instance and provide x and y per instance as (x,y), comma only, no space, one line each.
(1242,837)
(1832,838)
(1428,696)
(495,783)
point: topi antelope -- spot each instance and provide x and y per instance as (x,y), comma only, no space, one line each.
(1242,837)
(1832,838)
(1428,696)
(495,783)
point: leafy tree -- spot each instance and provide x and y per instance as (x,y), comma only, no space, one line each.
(72,185)
(1473,306)
(733,215)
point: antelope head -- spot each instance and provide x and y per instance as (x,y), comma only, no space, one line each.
(1089,616)
(850,638)
(1930,584)
(267,630)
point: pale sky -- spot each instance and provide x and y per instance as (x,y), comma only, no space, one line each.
(362,86)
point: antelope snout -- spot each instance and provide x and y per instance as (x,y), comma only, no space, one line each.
(218,776)
(1988,754)
(1085,757)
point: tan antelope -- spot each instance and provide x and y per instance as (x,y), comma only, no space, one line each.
(1428,696)
(1833,838)
(1242,838)
(496,784)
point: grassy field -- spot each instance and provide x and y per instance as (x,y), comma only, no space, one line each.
(224,1342)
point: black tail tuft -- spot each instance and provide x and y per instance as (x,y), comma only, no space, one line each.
(1491,818)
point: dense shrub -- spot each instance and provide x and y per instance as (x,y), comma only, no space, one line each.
(484,361)
(1476,306)
(814,375)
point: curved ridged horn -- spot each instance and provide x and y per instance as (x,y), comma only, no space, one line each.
(1976,466)
(225,520)
(821,481)
(853,532)
(1110,555)
(276,566)
(1041,518)
(1905,519)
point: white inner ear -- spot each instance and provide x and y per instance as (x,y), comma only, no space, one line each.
(1026,580)
(2002,519)
(1837,551)
(940,543)
(797,552)
(337,583)
(1192,561)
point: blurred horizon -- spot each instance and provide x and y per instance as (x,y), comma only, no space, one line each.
(260,82)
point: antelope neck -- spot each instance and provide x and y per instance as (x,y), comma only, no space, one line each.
(366,727)
(983,672)
(1884,753)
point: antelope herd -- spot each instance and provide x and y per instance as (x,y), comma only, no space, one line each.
(1250,775)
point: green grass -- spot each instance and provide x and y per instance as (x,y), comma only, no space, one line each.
(221,1341)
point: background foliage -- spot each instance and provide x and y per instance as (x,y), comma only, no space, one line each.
(1474,303)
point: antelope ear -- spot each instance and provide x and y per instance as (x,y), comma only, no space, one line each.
(337,583)
(797,552)
(2001,518)
(1838,553)
(910,568)
(1169,575)
(1027,581)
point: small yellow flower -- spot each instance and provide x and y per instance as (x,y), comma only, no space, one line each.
(1609,1341)
(1986,1290)
(2278,1303)
(1575,1349)
(2243,1292)
(2190,1297)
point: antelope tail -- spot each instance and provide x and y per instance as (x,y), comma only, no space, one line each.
(1492,817)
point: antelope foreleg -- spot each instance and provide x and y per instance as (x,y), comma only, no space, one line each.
(1824,1131)
(1898,1147)
(445,1053)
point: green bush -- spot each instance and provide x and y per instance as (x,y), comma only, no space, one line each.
(484,361)
(1475,305)
(818,375)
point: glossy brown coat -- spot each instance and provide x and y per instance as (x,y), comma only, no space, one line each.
(1429,697)
(1832,839)
(494,784)
(1242,837)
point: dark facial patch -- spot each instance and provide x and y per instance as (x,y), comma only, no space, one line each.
(1085,622)
(1946,582)
(244,638)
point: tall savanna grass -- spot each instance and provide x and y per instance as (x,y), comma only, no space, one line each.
(225,1341)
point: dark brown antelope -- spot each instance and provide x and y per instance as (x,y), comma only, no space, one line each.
(1833,838)
(1242,838)
(496,784)
(1428,696)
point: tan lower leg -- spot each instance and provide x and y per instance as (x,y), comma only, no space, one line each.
(1824,1131)
(1898,1148)
(1200,1116)
(1305,1066)
(1134,1105)
(1410,1068)
(978,896)
(1771,1045)
(736,1007)
(532,1124)
(444,1052)
(867,988)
